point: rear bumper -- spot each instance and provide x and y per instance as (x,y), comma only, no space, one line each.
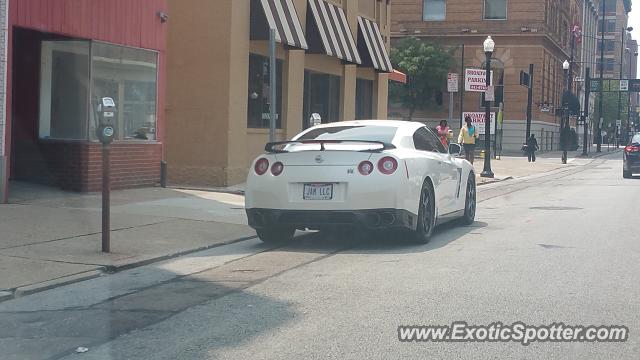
(372,219)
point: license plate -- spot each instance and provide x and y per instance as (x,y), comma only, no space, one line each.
(317,192)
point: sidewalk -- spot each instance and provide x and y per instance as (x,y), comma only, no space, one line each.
(517,166)
(50,237)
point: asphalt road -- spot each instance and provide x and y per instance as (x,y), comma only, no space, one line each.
(557,248)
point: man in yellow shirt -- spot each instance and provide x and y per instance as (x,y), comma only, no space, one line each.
(467,138)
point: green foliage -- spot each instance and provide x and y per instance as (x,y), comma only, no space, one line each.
(572,101)
(610,109)
(426,65)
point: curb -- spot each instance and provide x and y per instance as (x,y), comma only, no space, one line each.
(213,190)
(10,294)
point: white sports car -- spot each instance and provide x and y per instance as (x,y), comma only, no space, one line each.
(373,174)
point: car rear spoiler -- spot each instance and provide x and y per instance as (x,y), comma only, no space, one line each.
(272,146)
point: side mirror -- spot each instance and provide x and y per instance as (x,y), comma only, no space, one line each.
(455,149)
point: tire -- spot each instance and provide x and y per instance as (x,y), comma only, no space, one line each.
(626,174)
(426,215)
(275,235)
(470,204)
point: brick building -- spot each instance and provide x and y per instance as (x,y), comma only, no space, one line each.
(525,32)
(63,56)
(331,60)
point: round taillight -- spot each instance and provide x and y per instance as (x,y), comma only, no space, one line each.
(387,165)
(365,168)
(276,168)
(261,167)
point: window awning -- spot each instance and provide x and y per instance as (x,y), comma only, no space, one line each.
(331,29)
(398,76)
(375,54)
(280,15)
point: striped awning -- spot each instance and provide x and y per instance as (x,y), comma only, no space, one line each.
(280,15)
(375,53)
(334,32)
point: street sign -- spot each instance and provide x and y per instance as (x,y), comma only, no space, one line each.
(475,80)
(578,79)
(624,85)
(490,94)
(477,119)
(618,123)
(452,82)
(634,85)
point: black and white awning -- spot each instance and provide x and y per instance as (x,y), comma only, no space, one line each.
(328,23)
(280,15)
(372,46)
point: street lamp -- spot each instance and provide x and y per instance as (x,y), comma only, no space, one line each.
(565,107)
(489,45)
(622,49)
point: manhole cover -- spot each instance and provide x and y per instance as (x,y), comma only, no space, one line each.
(555,208)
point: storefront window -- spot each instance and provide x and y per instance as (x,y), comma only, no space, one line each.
(129,76)
(64,90)
(364,99)
(259,105)
(321,96)
(75,75)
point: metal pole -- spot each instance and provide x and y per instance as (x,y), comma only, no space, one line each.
(565,120)
(529,102)
(587,95)
(620,92)
(272,85)
(106,198)
(450,107)
(486,172)
(601,120)
(462,74)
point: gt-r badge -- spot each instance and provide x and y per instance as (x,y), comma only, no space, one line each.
(319,159)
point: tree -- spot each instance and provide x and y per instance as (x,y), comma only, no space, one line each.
(610,109)
(426,65)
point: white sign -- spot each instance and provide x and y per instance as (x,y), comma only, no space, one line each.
(490,94)
(452,82)
(624,85)
(618,123)
(477,119)
(476,80)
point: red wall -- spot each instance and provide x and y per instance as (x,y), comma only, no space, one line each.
(126,22)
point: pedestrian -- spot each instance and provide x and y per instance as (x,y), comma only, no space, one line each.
(532,147)
(467,138)
(444,133)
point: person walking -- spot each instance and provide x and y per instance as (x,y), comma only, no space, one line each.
(444,133)
(467,138)
(532,147)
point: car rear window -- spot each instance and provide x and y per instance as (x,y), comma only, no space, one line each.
(636,139)
(368,133)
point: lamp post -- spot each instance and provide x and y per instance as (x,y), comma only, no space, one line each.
(622,48)
(564,124)
(489,45)
(599,122)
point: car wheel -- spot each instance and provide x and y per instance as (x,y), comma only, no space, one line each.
(626,174)
(275,235)
(470,201)
(426,215)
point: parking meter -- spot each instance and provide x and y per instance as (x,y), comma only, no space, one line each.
(107,116)
(106,112)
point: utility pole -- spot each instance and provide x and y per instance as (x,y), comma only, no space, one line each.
(272,85)
(529,102)
(600,106)
(585,116)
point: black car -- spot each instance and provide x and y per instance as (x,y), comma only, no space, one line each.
(631,158)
